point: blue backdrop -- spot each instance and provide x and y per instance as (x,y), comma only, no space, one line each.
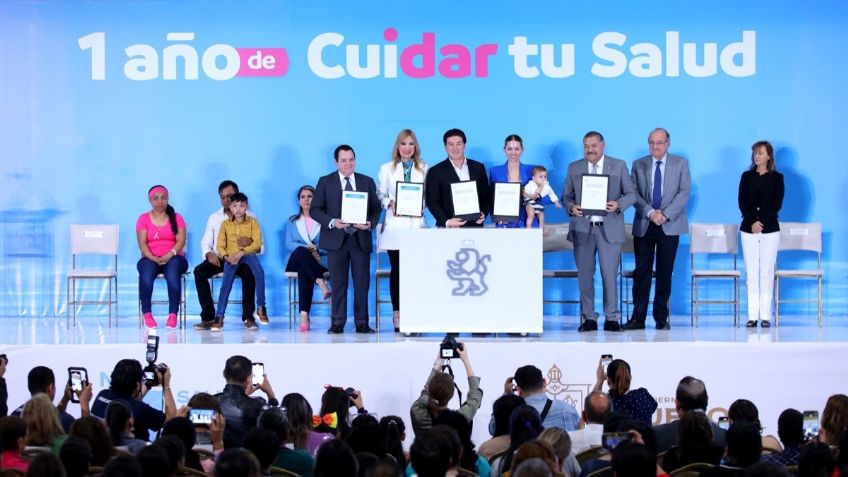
(89,118)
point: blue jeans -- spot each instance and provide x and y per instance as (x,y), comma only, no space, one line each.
(173,271)
(252,261)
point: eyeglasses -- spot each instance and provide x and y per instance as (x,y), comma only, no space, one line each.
(656,143)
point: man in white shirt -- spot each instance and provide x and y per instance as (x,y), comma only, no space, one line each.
(213,265)
(596,407)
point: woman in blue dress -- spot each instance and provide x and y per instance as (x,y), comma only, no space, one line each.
(513,171)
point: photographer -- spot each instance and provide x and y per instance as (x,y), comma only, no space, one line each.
(128,385)
(241,412)
(439,389)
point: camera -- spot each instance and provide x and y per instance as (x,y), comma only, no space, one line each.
(149,371)
(450,347)
(350,393)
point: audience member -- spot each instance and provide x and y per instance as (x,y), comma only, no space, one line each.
(182,428)
(94,431)
(469,459)
(237,463)
(691,396)
(395,431)
(534,467)
(264,444)
(301,433)
(816,460)
(335,407)
(634,403)
(639,433)
(596,408)
(434,452)
(366,435)
(45,464)
(631,459)
(560,442)
(43,426)
(499,423)
(790,429)
(439,389)
(384,469)
(525,424)
(530,385)
(122,466)
(745,410)
(365,460)
(694,443)
(120,422)
(127,384)
(296,460)
(13,431)
(4,393)
(336,459)
(744,448)
(766,469)
(834,419)
(155,462)
(534,450)
(75,455)
(42,380)
(239,409)
(208,437)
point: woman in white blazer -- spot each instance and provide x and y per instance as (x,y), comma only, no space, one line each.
(406,165)
(302,233)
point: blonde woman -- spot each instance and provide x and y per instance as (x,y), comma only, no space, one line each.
(406,166)
(43,426)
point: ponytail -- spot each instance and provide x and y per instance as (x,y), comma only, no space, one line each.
(172,218)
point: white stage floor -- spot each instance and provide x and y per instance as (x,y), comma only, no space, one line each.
(711,328)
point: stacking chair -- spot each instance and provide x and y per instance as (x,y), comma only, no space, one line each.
(555,240)
(379,275)
(713,239)
(181,315)
(804,237)
(294,298)
(591,453)
(93,240)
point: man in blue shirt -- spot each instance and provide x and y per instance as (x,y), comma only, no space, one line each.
(530,385)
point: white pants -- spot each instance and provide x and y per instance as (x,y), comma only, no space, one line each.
(760,252)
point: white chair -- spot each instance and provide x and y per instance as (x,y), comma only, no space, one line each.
(294,297)
(804,237)
(181,314)
(379,275)
(713,239)
(93,240)
(554,240)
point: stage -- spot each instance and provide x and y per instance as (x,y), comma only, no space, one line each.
(793,365)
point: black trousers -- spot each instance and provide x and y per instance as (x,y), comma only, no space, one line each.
(655,242)
(205,271)
(394,278)
(350,260)
(308,270)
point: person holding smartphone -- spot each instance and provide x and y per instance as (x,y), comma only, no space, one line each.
(636,404)
(240,411)
(41,379)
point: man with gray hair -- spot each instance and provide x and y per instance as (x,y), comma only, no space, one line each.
(691,396)
(596,408)
(534,467)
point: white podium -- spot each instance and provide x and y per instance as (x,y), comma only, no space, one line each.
(471,280)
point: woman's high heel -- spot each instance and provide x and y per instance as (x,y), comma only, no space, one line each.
(304,327)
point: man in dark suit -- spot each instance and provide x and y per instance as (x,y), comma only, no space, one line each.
(348,245)
(454,169)
(662,188)
(691,396)
(600,235)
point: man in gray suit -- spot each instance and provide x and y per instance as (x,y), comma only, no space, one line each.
(662,185)
(598,234)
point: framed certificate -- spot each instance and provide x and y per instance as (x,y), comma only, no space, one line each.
(354,207)
(593,194)
(466,205)
(409,199)
(507,203)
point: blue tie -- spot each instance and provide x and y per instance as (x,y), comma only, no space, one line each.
(656,201)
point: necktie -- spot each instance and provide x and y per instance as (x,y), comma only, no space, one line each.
(656,200)
(594,168)
(350,230)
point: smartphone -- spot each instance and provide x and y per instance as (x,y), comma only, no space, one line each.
(258,374)
(609,440)
(811,424)
(606,359)
(201,416)
(724,422)
(78,377)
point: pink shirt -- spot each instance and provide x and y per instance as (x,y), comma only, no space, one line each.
(160,239)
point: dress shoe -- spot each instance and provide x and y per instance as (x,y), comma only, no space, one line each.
(365,329)
(765,324)
(664,325)
(611,326)
(751,324)
(203,325)
(335,330)
(251,325)
(218,324)
(262,314)
(588,325)
(634,325)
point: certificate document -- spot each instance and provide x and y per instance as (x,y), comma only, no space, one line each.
(354,207)
(593,195)
(409,199)
(465,203)
(507,202)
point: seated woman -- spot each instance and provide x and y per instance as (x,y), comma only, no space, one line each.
(743,410)
(120,422)
(301,432)
(302,234)
(43,426)
(694,443)
(161,235)
(636,404)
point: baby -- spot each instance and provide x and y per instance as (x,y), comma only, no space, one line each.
(535,189)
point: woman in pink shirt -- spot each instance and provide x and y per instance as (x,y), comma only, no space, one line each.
(161,237)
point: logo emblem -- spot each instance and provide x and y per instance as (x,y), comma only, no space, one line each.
(468,270)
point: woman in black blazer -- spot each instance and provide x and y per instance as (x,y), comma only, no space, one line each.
(760,199)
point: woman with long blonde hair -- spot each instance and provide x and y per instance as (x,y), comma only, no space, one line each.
(43,426)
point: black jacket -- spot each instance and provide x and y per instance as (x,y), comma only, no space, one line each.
(240,411)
